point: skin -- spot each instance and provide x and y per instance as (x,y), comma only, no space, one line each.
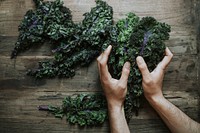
(174,118)
(115,92)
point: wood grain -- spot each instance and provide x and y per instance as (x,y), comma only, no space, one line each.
(179,14)
(20,94)
(21,109)
(182,73)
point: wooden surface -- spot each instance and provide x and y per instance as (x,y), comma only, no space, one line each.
(20,95)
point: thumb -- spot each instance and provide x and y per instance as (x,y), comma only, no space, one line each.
(125,73)
(142,66)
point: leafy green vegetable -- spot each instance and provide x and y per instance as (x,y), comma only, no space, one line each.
(50,21)
(136,37)
(76,45)
(84,109)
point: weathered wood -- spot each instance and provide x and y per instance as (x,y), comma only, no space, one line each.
(20,94)
(25,102)
(184,45)
(10,125)
(21,109)
(197,17)
(7,45)
(181,75)
(179,14)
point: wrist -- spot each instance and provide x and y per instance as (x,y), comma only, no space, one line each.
(112,107)
(155,98)
(157,102)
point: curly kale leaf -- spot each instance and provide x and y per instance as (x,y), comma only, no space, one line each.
(80,45)
(50,21)
(136,37)
(96,22)
(77,45)
(83,109)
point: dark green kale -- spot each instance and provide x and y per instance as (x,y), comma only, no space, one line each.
(50,21)
(83,109)
(80,46)
(77,45)
(136,37)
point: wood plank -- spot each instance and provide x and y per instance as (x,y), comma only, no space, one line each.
(21,108)
(42,125)
(24,103)
(7,45)
(20,94)
(11,13)
(183,35)
(181,75)
(197,17)
(179,45)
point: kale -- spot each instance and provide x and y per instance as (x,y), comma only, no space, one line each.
(77,45)
(137,37)
(83,109)
(50,21)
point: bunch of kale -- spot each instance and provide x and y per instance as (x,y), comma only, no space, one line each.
(134,38)
(50,21)
(83,109)
(76,45)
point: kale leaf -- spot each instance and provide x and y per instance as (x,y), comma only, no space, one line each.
(50,21)
(76,45)
(136,37)
(83,109)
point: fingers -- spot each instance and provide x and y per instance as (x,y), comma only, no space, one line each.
(102,63)
(105,54)
(125,73)
(166,60)
(143,67)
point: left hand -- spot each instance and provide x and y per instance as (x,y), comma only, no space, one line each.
(115,90)
(152,82)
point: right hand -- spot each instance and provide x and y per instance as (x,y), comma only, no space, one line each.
(152,82)
(115,90)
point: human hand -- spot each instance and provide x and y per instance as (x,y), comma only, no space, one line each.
(152,82)
(115,90)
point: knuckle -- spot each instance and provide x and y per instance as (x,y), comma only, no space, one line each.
(99,59)
(121,86)
(171,55)
(105,80)
(142,66)
(125,75)
(148,81)
(126,71)
(102,63)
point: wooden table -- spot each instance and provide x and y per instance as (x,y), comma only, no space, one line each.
(20,95)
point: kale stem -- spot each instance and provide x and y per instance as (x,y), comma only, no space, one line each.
(146,39)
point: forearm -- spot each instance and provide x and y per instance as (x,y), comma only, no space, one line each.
(175,119)
(117,120)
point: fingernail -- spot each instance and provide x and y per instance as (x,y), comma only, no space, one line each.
(127,65)
(139,60)
(109,47)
